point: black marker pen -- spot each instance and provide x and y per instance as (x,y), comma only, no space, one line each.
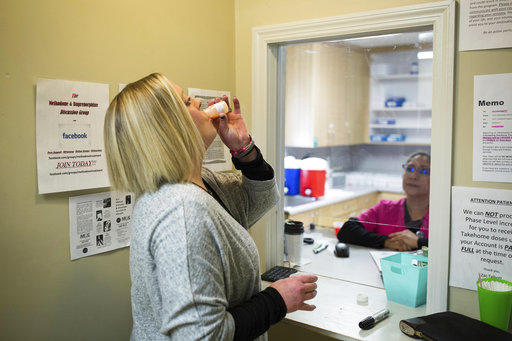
(372,320)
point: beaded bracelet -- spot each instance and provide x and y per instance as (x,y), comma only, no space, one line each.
(244,151)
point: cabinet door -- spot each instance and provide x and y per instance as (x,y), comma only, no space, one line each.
(299,110)
(367,201)
(327,89)
(340,209)
(307,217)
(341,90)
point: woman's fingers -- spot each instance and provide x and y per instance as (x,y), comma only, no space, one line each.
(307,307)
(236,105)
(226,99)
(308,287)
(310,295)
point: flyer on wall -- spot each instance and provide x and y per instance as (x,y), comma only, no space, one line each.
(69,135)
(485,24)
(99,222)
(492,128)
(481,241)
(217,157)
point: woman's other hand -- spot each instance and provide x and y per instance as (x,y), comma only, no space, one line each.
(295,290)
(402,241)
(231,126)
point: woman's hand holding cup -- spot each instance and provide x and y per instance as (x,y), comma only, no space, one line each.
(231,126)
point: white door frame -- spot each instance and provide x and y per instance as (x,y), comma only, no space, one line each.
(440,16)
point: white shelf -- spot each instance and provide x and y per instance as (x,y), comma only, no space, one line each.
(405,76)
(412,109)
(393,79)
(399,126)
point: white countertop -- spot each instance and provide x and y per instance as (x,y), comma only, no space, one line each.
(332,196)
(340,280)
(359,267)
(337,313)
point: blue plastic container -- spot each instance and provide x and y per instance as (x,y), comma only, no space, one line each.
(404,282)
(396,138)
(292,181)
(378,138)
(394,102)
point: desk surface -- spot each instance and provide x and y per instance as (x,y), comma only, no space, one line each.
(337,313)
(359,267)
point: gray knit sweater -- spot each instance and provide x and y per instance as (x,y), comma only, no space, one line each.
(190,260)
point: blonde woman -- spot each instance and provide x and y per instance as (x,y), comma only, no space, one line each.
(194,267)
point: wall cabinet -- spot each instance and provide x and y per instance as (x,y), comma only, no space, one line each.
(327,89)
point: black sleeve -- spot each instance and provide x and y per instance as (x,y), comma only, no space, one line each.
(353,232)
(257,169)
(422,242)
(254,317)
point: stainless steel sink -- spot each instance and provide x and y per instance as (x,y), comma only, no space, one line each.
(296,200)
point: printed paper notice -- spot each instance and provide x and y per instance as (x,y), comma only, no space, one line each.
(99,223)
(69,135)
(492,128)
(481,241)
(485,24)
(217,157)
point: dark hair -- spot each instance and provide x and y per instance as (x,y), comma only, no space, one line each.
(413,155)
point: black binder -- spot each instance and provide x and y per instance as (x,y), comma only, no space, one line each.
(451,326)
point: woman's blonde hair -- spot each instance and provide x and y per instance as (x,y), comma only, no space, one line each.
(150,138)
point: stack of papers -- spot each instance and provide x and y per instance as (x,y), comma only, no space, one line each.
(377,255)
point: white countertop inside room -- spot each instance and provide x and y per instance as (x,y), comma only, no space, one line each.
(338,314)
(340,280)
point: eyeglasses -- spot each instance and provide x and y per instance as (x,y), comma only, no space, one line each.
(411,169)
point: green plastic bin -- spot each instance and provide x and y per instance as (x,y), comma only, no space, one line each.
(404,282)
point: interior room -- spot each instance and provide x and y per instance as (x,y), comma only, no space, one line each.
(343,112)
(363,128)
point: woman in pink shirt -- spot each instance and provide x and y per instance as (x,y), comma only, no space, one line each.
(400,225)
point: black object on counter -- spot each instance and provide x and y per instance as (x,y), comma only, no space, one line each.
(312,226)
(450,326)
(309,240)
(293,227)
(277,273)
(372,320)
(341,250)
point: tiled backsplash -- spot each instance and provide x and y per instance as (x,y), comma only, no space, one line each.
(371,158)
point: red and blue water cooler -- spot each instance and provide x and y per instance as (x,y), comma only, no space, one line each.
(312,177)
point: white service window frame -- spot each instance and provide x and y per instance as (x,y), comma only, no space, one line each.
(267,124)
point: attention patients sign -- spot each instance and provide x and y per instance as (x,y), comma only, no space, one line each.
(69,135)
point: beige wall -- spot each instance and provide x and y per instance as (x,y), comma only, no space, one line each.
(250,14)
(43,295)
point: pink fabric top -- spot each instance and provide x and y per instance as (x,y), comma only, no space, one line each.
(389,212)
